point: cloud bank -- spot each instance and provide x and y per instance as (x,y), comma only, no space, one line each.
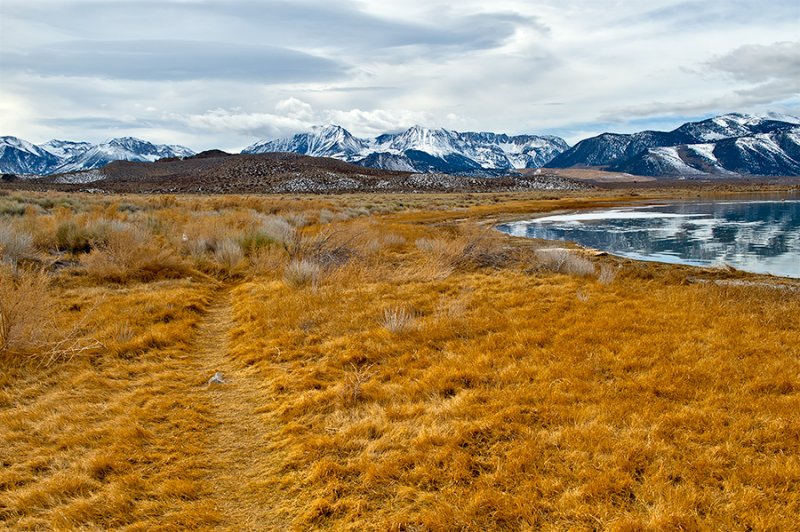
(223,74)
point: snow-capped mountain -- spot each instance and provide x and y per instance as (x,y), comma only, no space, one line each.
(420,149)
(120,149)
(776,153)
(66,149)
(728,144)
(18,156)
(328,141)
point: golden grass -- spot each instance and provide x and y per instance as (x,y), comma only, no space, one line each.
(390,364)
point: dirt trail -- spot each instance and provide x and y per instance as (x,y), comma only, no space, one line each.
(238,441)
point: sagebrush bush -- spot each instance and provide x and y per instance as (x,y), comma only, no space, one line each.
(15,244)
(607,274)
(72,238)
(26,312)
(565,261)
(302,272)
(131,254)
(269,231)
(229,255)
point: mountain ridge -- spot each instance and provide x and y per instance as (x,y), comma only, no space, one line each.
(722,146)
(725,145)
(421,149)
(18,156)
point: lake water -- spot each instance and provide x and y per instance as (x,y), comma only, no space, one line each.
(761,236)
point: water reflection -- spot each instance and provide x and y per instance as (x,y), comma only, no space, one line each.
(757,236)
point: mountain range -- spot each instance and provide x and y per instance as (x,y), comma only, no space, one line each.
(423,150)
(19,156)
(727,145)
(732,144)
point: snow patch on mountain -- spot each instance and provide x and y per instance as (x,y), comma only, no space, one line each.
(65,149)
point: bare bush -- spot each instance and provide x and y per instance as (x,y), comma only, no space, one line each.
(431,245)
(25,308)
(302,272)
(297,219)
(326,216)
(607,274)
(132,254)
(329,249)
(469,249)
(397,319)
(278,230)
(15,245)
(565,261)
(28,327)
(229,255)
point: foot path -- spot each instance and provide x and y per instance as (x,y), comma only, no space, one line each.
(238,439)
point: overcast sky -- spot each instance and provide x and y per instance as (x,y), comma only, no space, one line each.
(223,74)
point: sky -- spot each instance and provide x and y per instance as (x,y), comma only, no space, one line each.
(223,74)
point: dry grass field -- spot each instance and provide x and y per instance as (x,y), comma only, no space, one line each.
(389,363)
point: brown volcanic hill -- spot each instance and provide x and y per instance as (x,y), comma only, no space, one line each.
(220,172)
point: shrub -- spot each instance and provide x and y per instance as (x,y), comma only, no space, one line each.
(565,261)
(229,255)
(25,311)
(272,230)
(130,255)
(607,274)
(72,238)
(15,245)
(11,207)
(28,324)
(302,272)
(393,240)
(351,390)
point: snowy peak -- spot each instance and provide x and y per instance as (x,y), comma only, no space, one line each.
(17,143)
(726,144)
(421,149)
(322,141)
(120,149)
(437,142)
(19,156)
(65,149)
(335,140)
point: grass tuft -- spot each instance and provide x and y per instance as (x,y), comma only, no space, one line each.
(301,273)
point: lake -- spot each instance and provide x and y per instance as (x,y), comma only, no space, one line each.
(761,236)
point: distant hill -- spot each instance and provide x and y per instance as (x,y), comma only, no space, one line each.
(219,172)
(727,145)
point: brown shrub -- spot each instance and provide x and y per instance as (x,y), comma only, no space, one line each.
(132,255)
(26,310)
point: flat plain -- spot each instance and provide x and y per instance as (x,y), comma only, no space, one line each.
(389,362)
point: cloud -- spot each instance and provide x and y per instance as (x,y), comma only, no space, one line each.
(294,108)
(259,125)
(762,63)
(375,122)
(696,15)
(219,74)
(293,116)
(168,60)
(342,26)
